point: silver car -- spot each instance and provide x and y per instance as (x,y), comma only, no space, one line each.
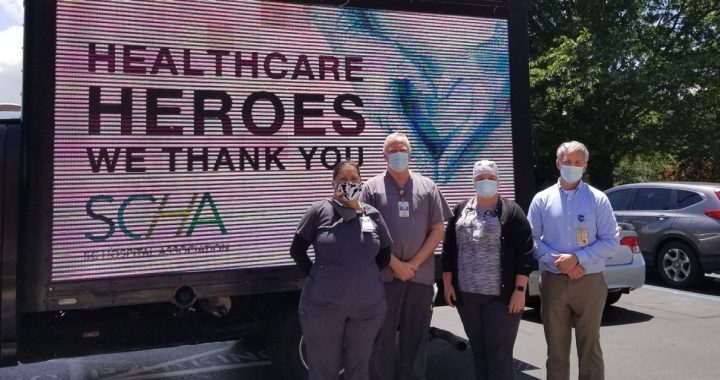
(624,271)
(678,225)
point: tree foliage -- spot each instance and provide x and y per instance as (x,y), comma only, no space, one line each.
(631,79)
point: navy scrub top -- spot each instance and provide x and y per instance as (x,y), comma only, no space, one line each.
(345,271)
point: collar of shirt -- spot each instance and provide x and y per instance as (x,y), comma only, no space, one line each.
(472,211)
(399,189)
(347,213)
(570,194)
(493,210)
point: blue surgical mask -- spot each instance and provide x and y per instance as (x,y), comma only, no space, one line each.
(486,188)
(571,174)
(399,161)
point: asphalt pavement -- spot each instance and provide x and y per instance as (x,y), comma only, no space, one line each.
(652,333)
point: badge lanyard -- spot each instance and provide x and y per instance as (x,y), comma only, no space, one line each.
(581,232)
(479,231)
(479,223)
(366,223)
(403,205)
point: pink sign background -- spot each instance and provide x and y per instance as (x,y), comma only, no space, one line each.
(443,80)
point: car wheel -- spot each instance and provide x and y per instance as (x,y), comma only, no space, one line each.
(678,265)
(612,298)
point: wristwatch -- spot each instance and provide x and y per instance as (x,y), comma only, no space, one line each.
(519,288)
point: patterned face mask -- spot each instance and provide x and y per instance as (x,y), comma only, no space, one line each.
(349,191)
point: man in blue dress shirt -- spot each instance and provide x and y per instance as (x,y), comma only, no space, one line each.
(574,231)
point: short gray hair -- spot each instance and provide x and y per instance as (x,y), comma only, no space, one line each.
(572,146)
(396,136)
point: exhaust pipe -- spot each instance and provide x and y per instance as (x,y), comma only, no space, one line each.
(460,344)
(184,297)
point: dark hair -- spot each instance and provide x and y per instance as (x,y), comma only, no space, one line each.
(343,164)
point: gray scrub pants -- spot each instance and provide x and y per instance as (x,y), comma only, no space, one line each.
(409,313)
(492,331)
(339,336)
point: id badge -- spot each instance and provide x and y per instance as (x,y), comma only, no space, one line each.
(479,230)
(367,224)
(404,209)
(582,237)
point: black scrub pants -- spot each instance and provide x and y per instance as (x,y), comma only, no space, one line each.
(492,331)
(339,336)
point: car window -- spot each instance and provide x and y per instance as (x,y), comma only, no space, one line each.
(652,199)
(687,198)
(620,199)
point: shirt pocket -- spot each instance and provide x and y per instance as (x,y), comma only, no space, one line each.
(588,223)
(419,204)
(586,219)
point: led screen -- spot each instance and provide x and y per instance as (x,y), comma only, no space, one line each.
(192,136)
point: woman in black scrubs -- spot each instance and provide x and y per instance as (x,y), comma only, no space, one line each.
(343,301)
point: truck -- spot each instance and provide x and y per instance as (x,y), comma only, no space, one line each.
(165,152)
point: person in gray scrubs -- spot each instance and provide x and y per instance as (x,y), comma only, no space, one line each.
(487,257)
(342,305)
(414,211)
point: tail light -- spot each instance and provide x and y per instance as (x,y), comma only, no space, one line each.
(632,243)
(715,214)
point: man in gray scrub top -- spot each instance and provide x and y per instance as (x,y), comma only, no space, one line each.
(414,211)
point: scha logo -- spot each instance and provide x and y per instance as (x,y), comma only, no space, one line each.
(147,203)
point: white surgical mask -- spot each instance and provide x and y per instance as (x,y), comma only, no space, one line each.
(398,161)
(571,174)
(486,188)
(349,191)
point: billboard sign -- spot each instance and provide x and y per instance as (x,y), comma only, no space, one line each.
(191,141)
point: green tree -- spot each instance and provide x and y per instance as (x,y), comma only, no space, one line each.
(630,79)
(648,168)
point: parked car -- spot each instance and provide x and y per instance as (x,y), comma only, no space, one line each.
(678,225)
(624,271)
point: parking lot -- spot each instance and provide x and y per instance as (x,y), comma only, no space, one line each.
(653,333)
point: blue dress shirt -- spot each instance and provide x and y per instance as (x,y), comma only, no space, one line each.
(556,215)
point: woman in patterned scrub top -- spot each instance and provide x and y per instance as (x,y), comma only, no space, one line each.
(487,257)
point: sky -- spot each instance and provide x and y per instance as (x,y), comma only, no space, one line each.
(11,40)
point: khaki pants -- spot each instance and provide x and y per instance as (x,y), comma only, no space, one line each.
(567,303)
